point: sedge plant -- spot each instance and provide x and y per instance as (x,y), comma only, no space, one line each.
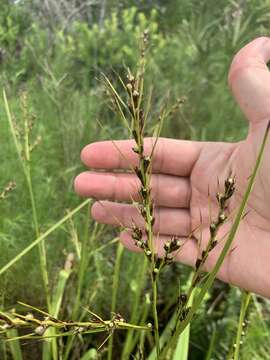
(134,112)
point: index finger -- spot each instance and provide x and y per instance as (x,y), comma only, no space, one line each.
(175,157)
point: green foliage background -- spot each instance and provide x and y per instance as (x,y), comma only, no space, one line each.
(58,61)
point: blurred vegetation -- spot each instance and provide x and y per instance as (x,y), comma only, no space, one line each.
(56,52)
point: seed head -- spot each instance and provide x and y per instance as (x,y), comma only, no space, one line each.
(222,217)
(29,316)
(148,252)
(135,94)
(135,149)
(183,298)
(131,78)
(40,330)
(129,87)
(139,244)
(5,326)
(213,228)
(167,245)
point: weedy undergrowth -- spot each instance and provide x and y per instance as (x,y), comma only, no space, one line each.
(42,324)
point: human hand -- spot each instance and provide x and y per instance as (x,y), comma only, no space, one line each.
(185,182)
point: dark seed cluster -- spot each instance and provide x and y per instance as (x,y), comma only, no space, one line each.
(143,170)
(137,237)
(222,199)
(39,325)
(170,247)
(8,188)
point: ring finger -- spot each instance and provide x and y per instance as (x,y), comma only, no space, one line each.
(168,221)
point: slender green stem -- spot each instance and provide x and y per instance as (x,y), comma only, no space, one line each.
(154,276)
(70,327)
(82,268)
(12,129)
(47,346)
(145,313)
(42,237)
(115,291)
(246,296)
(155,314)
(14,346)
(211,348)
(26,165)
(41,245)
(135,88)
(136,309)
(3,350)
(83,263)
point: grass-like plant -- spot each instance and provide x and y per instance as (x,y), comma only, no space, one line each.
(134,113)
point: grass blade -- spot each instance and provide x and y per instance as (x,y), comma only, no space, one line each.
(116,274)
(246,296)
(182,347)
(42,237)
(14,346)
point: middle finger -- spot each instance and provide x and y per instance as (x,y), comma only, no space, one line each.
(167,190)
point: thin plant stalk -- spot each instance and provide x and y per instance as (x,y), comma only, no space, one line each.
(66,328)
(116,275)
(41,245)
(83,263)
(26,165)
(140,338)
(211,348)
(135,89)
(134,110)
(84,256)
(245,300)
(81,273)
(28,248)
(135,313)
(183,340)
(165,335)
(3,350)
(155,314)
(57,298)
(15,347)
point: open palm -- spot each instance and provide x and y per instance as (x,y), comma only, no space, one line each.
(186,177)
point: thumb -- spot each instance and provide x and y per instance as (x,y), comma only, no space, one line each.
(249,79)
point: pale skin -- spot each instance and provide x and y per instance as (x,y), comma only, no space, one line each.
(185,172)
